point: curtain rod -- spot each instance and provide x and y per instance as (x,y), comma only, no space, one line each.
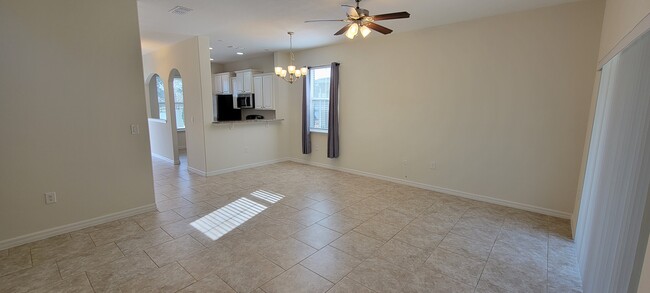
(337,63)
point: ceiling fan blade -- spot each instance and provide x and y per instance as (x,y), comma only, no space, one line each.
(319,20)
(395,15)
(382,29)
(344,29)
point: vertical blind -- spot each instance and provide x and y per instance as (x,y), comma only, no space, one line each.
(617,174)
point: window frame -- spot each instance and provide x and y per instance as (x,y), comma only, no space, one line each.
(310,100)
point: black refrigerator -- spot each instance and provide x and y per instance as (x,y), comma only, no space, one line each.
(225,109)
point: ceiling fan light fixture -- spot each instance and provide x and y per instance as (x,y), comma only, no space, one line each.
(292,72)
(365,31)
(352,31)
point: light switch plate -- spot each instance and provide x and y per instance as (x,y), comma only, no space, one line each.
(50,197)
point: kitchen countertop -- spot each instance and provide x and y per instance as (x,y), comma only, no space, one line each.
(247,121)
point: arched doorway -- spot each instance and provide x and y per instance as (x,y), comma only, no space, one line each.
(177,101)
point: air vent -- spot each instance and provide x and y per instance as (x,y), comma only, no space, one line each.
(180,10)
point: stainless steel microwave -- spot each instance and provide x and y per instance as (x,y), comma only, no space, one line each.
(245,101)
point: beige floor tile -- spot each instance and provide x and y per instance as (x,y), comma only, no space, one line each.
(78,283)
(180,228)
(464,269)
(280,212)
(172,203)
(298,279)
(298,202)
(212,260)
(331,263)
(171,251)
(28,279)
(328,207)
(381,276)
(153,220)
(19,259)
(170,278)
(429,281)
(61,248)
(211,283)
(340,223)
(194,210)
(419,237)
(393,218)
(513,278)
(359,212)
(434,223)
(110,276)
(466,246)
(307,217)
(89,259)
(142,241)
(249,273)
(316,236)
(288,252)
(403,255)
(485,233)
(347,285)
(357,245)
(279,229)
(377,230)
(115,233)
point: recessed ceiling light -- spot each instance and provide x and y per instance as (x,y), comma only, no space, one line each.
(210,48)
(240,53)
(211,59)
(180,10)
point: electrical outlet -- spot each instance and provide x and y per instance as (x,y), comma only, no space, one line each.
(135,129)
(50,197)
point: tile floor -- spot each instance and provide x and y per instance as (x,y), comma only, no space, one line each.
(289,227)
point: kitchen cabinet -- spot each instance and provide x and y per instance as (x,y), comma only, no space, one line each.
(221,84)
(264,93)
(243,82)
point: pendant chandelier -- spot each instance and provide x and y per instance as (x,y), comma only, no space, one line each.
(290,74)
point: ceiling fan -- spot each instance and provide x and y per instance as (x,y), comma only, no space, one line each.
(360,20)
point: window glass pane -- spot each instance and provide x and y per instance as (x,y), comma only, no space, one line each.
(319,95)
(178,101)
(162,110)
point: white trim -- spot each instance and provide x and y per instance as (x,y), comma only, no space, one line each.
(161,121)
(444,190)
(166,159)
(639,29)
(196,171)
(4,244)
(247,166)
(316,130)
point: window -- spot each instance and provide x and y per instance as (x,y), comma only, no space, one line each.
(177,85)
(157,98)
(318,91)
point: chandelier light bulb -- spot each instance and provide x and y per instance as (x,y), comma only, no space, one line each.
(291,74)
(278,70)
(291,69)
(303,71)
(297,73)
(283,73)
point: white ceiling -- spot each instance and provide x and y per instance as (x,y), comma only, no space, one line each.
(260,26)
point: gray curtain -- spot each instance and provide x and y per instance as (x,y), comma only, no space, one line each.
(306,134)
(333,119)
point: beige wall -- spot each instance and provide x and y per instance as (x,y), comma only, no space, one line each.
(264,63)
(71,87)
(184,57)
(500,104)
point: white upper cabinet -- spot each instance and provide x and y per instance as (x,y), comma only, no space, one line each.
(244,81)
(221,83)
(264,94)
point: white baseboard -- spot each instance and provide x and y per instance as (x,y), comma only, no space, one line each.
(444,190)
(247,166)
(4,244)
(166,159)
(197,171)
